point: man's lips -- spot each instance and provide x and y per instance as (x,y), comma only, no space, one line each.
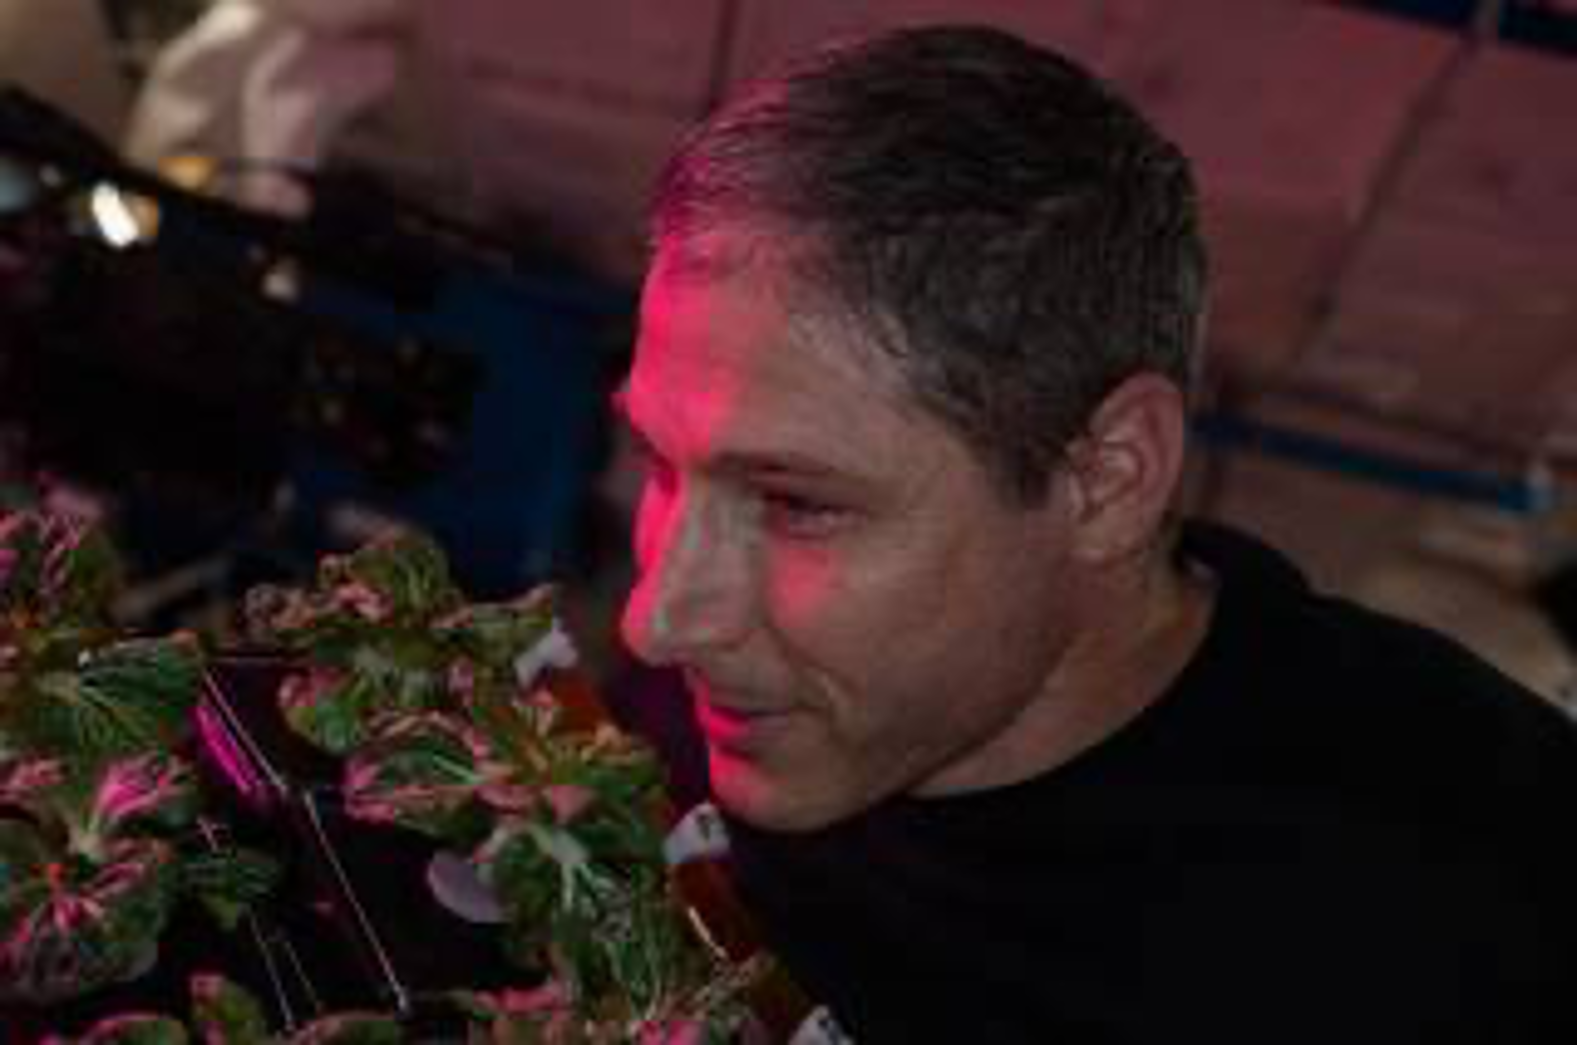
(737,731)
(734,723)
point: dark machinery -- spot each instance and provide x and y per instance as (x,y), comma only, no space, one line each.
(232,382)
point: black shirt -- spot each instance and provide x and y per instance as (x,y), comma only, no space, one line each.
(1334,824)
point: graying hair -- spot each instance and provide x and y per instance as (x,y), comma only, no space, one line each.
(1004,227)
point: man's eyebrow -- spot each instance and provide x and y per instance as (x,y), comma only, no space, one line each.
(775,463)
(759,463)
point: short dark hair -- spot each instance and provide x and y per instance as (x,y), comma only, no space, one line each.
(1011,232)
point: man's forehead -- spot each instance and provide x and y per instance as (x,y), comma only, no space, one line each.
(869,455)
(724,423)
(749,329)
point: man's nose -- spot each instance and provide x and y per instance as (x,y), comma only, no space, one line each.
(692,595)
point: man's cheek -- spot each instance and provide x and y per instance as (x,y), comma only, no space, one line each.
(804,587)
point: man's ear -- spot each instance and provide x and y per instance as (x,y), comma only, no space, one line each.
(1123,470)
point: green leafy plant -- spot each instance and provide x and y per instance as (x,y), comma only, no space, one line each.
(69,685)
(222,1011)
(58,577)
(98,809)
(441,715)
(365,629)
(72,924)
(93,857)
(438,708)
(137,1028)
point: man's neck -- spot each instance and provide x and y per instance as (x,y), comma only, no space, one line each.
(1123,660)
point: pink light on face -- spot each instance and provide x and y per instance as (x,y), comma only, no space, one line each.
(687,531)
(750,471)
(857,611)
(759,473)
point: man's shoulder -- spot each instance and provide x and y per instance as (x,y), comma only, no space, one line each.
(1377,700)
(1279,628)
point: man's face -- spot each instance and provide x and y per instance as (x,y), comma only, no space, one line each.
(857,611)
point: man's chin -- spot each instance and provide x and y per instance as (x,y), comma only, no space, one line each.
(751,794)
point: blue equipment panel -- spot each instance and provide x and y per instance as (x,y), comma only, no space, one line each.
(508,502)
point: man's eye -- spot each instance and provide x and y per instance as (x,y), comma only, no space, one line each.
(801,517)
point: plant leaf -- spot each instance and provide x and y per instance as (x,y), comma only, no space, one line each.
(87,806)
(497,634)
(404,674)
(73,928)
(132,696)
(542,1014)
(284,616)
(56,570)
(33,786)
(81,573)
(325,706)
(229,882)
(224,1012)
(351,1028)
(405,574)
(421,771)
(137,1028)
(154,789)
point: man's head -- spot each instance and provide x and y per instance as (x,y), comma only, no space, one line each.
(912,365)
